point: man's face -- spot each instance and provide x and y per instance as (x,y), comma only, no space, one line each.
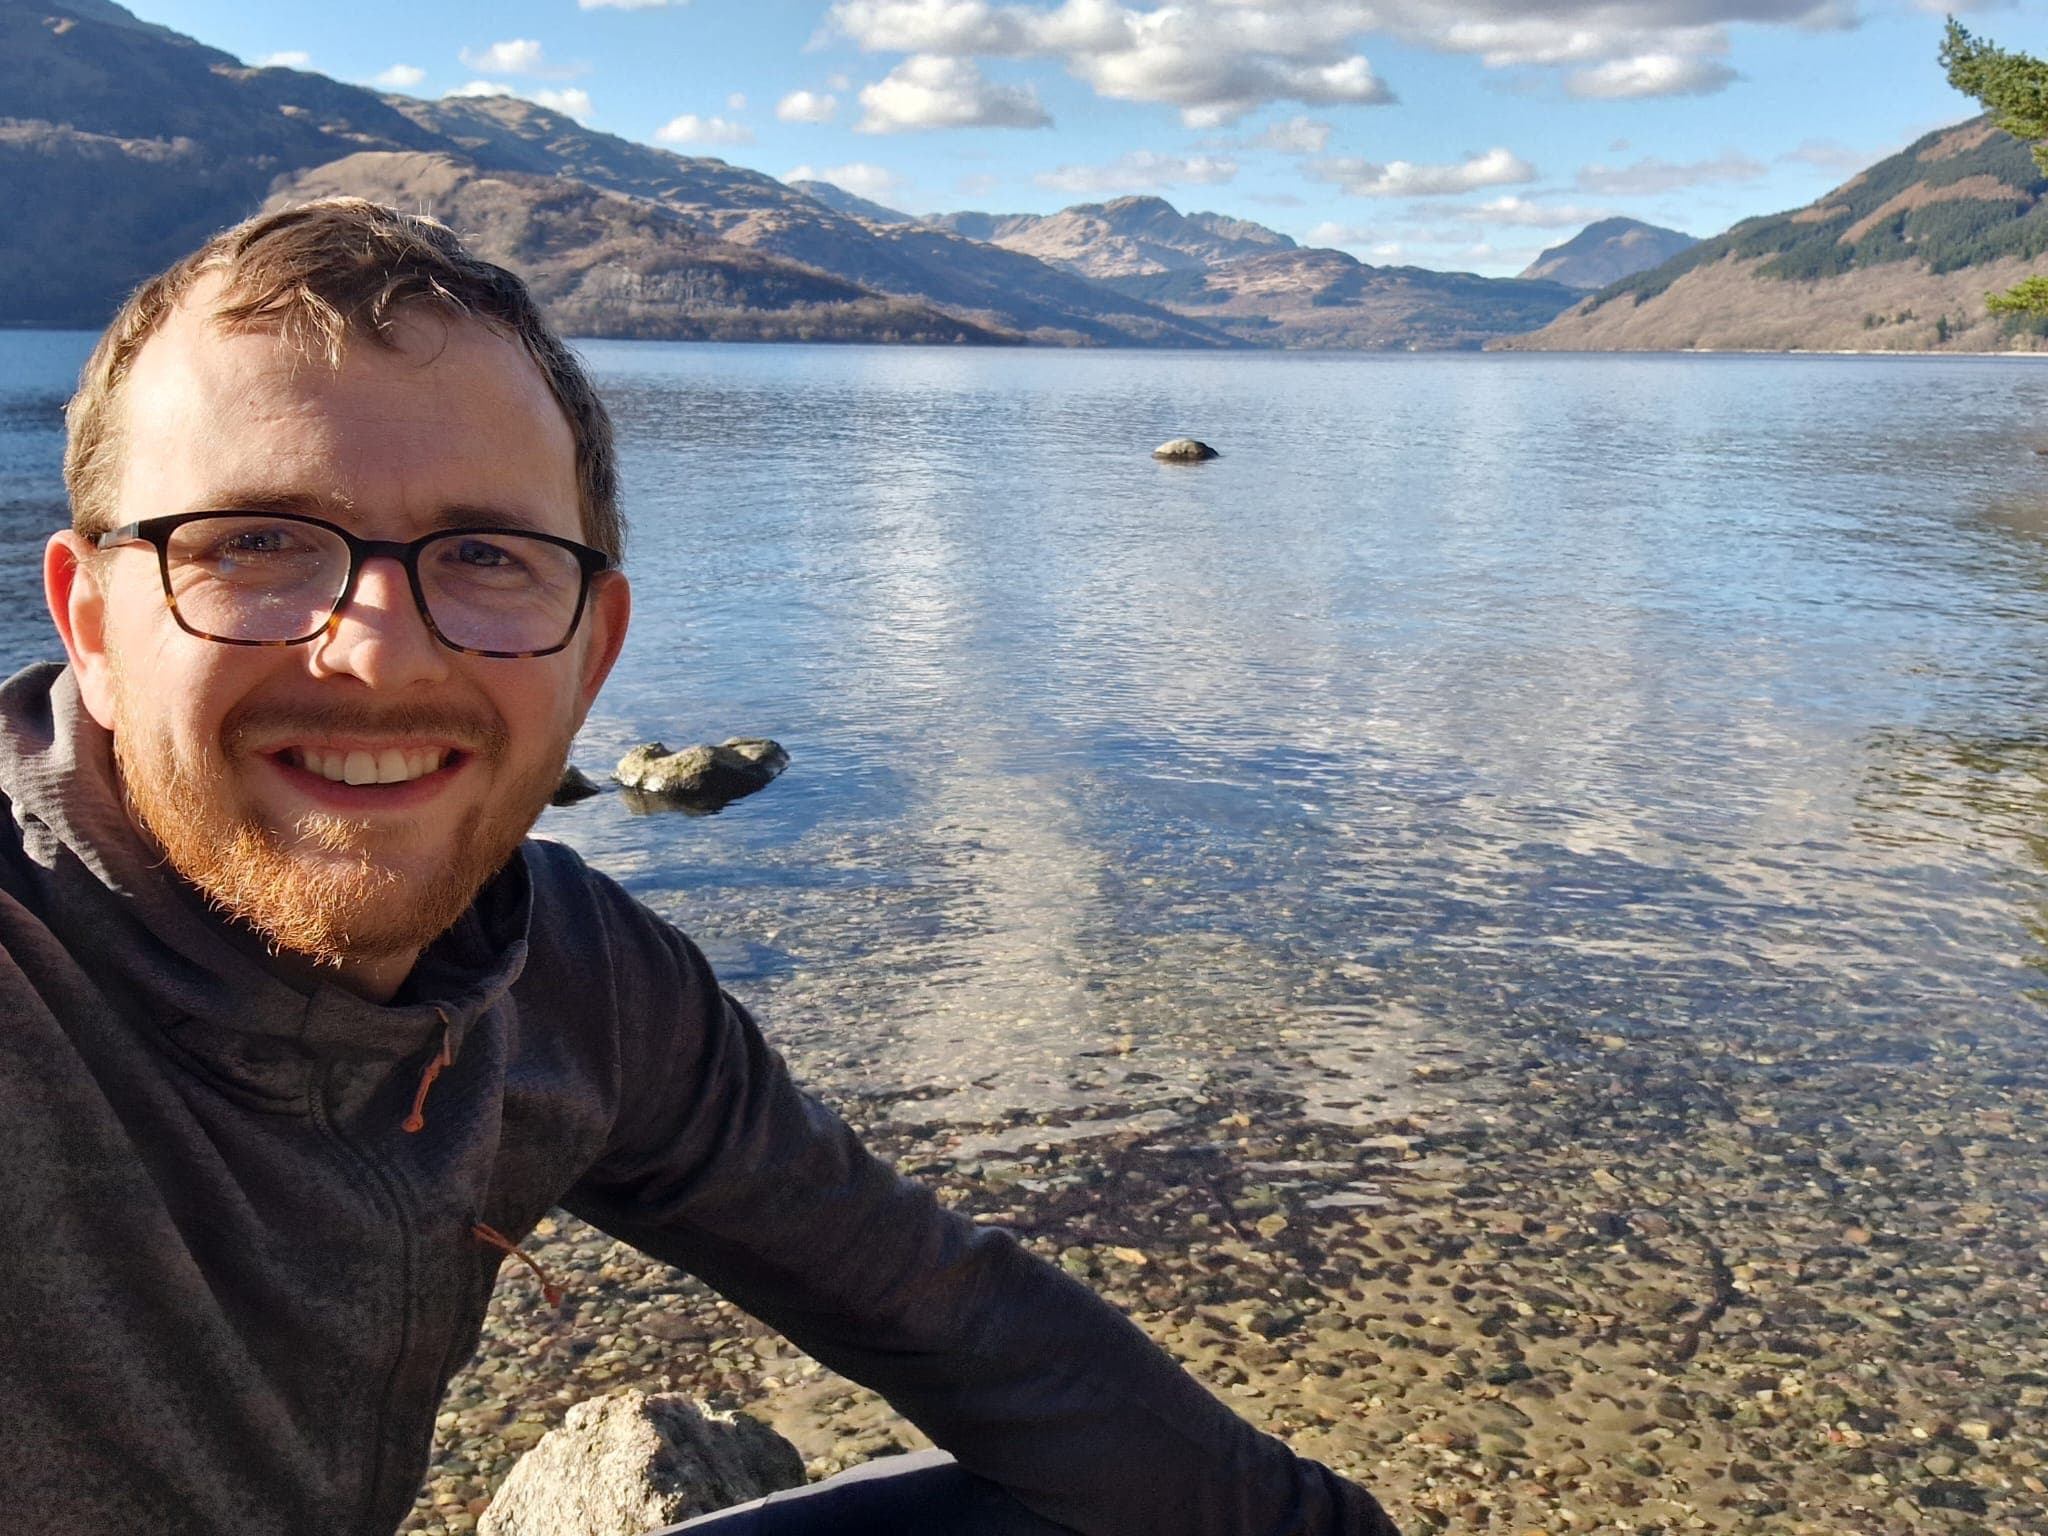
(227,753)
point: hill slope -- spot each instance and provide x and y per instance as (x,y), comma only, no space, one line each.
(839,200)
(604,264)
(124,144)
(1256,284)
(1126,237)
(1608,251)
(1898,258)
(1327,299)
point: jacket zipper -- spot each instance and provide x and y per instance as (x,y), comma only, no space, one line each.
(388,1189)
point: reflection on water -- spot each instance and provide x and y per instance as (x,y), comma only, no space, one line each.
(1464,698)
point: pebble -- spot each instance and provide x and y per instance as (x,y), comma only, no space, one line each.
(1791,1347)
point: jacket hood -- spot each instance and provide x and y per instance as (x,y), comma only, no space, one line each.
(128,919)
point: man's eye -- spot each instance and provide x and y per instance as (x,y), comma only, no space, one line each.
(483,553)
(257,541)
(499,561)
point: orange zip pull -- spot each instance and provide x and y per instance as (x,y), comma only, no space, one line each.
(417,1120)
(498,1240)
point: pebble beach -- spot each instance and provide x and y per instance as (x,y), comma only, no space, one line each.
(1584,1282)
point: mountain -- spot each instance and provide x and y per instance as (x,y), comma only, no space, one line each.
(1608,251)
(1898,258)
(123,145)
(1129,237)
(854,206)
(984,285)
(1327,299)
(1256,284)
(127,144)
(605,264)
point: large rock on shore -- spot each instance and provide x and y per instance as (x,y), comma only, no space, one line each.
(703,776)
(627,1464)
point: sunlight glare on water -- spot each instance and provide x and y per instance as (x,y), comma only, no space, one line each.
(1464,698)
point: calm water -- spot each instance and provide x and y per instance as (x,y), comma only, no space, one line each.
(1465,696)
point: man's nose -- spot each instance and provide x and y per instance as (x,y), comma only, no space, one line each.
(378,634)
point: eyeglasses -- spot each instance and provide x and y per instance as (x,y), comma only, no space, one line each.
(276,578)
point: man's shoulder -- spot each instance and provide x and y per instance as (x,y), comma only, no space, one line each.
(582,911)
(598,956)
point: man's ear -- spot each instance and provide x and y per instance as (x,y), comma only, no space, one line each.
(609,610)
(78,604)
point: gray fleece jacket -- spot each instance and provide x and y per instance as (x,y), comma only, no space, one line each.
(237,1286)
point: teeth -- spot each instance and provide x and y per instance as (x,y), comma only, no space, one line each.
(393,765)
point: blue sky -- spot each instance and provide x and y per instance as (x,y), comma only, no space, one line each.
(1457,134)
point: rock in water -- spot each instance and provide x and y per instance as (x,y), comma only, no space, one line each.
(575,786)
(703,776)
(1185,450)
(627,1464)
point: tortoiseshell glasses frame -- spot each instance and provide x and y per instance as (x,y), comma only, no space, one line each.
(158,531)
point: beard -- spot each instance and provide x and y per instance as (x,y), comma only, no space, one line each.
(328,888)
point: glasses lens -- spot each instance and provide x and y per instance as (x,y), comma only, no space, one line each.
(249,577)
(500,591)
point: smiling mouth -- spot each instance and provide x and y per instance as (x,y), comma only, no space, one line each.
(389,765)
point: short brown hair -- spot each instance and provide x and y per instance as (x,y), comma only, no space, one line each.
(325,274)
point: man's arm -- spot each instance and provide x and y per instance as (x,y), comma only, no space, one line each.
(719,1165)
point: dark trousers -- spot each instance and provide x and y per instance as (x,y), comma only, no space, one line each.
(925,1494)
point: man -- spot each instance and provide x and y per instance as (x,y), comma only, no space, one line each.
(302,1036)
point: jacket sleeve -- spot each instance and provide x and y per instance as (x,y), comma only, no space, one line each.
(719,1165)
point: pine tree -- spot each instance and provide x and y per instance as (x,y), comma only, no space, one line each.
(2014,88)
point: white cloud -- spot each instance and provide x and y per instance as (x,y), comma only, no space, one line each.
(1296,136)
(926,91)
(1141,170)
(290,58)
(861,178)
(736,102)
(1497,167)
(1215,60)
(1507,34)
(1521,211)
(514,56)
(399,77)
(1652,175)
(807,107)
(977,183)
(1342,236)
(692,129)
(1649,74)
(573,103)
(1214,88)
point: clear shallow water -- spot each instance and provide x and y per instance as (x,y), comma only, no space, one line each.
(1678,698)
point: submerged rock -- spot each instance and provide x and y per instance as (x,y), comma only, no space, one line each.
(1185,450)
(629,1463)
(575,785)
(703,777)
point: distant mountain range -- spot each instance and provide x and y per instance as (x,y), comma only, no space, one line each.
(1130,237)
(1243,280)
(124,144)
(1898,258)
